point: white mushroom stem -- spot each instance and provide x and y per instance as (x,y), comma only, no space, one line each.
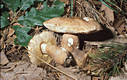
(43,48)
(55,52)
(86,19)
(69,42)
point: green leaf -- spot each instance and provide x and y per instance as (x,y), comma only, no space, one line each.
(4,19)
(39,0)
(12,4)
(31,18)
(36,17)
(22,38)
(26,4)
(15,4)
(72,3)
(54,11)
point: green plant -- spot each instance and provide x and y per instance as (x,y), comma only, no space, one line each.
(31,18)
(108,60)
(72,6)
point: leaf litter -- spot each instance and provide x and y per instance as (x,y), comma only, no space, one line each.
(21,68)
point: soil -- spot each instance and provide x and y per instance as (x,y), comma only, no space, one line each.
(15,63)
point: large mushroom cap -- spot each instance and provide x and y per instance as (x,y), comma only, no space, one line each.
(72,25)
(34,47)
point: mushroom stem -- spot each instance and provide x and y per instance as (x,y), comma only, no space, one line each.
(69,42)
(55,52)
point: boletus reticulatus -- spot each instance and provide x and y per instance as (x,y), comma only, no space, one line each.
(70,27)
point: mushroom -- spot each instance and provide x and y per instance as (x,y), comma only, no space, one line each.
(44,46)
(71,26)
(34,46)
(55,52)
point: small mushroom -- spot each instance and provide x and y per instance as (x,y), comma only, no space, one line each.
(71,26)
(34,46)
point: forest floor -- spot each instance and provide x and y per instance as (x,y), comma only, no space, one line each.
(15,63)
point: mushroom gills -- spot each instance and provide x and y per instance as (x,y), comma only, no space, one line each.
(43,47)
(34,47)
(70,42)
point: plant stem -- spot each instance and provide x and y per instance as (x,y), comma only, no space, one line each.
(72,3)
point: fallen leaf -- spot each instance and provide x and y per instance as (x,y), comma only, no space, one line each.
(95,78)
(120,77)
(15,24)
(121,26)
(10,40)
(23,71)
(73,72)
(3,58)
(10,66)
(11,32)
(125,64)
(108,13)
(80,57)
(65,1)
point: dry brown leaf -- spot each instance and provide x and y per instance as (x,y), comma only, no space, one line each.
(74,72)
(2,43)
(120,77)
(3,58)
(121,29)
(11,32)
(125,64)
(95,78)
(121,26)
(108,13)
(80,57)
(9,67)
(65,1)
(24,71)
(10,40)
(17,24)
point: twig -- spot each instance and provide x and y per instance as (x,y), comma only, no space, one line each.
(55,68)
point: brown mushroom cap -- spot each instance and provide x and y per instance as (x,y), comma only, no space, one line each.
(72,25)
